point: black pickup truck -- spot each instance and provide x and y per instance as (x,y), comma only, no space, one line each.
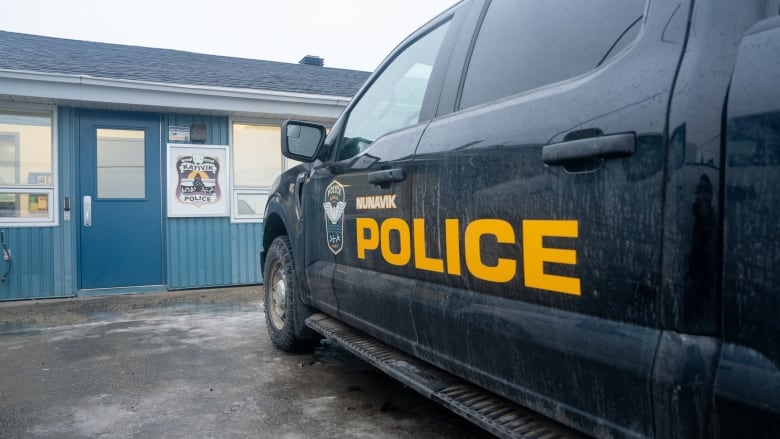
(553,217)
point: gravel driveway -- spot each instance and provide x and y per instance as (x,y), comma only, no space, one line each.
(190,364)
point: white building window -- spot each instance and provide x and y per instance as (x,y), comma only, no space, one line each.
(27,168)
(257,160)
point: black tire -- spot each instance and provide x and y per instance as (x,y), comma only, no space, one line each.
(281,300)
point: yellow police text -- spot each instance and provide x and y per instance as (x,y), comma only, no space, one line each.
(410,241)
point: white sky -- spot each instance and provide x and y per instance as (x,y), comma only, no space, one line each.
(350,34)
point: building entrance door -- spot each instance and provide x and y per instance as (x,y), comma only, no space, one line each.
(119,207)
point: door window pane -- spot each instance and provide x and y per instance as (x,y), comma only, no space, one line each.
(120,164)
(525,44)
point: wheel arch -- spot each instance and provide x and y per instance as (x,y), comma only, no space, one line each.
(274,226)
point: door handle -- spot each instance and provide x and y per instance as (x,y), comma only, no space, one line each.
(87,210)
(613,145)
(382,178)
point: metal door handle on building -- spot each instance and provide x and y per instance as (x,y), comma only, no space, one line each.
(87,211)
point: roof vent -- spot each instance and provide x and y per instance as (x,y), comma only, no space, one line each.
(312,60)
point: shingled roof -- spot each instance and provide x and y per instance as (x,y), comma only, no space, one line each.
(32,53)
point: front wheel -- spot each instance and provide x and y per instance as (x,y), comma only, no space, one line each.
(280,298)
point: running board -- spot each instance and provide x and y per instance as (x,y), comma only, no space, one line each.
(491,412)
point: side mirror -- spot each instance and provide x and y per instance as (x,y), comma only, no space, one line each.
(302,141)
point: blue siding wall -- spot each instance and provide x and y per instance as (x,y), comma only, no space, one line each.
(65,262)
(207,252)
(245,243)
(198,252)
(32,273)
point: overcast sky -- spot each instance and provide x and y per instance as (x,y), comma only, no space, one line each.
(350,34)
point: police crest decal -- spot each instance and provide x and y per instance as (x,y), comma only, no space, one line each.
(198,180)
(334,205)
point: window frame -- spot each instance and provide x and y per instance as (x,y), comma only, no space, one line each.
(51,191)
(236,190)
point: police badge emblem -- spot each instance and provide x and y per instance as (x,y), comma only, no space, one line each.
(334,205)
(198,180)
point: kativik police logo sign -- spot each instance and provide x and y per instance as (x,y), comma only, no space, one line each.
(198,180)
(335,202)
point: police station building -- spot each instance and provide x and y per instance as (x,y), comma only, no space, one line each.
(127,169)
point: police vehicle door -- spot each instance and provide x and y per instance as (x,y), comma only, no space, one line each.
(358,253)
(538,205)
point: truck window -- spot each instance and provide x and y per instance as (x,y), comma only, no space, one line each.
(526,44)
(395,98)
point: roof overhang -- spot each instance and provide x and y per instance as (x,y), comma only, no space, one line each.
(88,91)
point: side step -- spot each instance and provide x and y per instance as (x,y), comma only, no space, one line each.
(491,412)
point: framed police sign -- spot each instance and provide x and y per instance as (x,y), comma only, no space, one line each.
(198,180)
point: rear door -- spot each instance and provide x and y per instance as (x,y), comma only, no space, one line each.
(747,388)
(540,201)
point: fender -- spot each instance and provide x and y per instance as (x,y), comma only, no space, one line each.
(282,218)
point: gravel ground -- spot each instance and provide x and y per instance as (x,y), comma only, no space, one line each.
(187,364)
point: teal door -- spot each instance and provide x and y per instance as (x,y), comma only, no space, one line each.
(119,208)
